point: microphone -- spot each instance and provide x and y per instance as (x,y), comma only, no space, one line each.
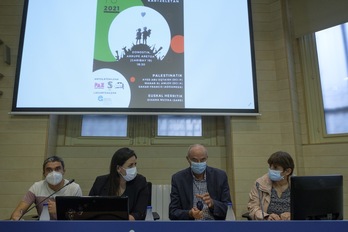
(261,205)
(70,181)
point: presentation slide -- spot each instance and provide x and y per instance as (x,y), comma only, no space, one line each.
(136,56)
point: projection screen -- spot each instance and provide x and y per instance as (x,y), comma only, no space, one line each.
(136,57)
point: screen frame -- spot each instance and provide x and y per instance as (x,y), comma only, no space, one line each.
(133,111)
(308,197)
(94,207)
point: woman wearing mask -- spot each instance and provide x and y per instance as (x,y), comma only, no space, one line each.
(269,198)
(123,180)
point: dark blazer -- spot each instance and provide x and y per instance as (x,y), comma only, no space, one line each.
(136,190)
(181,196)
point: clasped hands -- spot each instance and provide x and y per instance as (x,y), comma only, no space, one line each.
(276,217)
(197,213)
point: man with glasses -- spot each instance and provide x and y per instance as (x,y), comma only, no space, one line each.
(53,172)
(199,192)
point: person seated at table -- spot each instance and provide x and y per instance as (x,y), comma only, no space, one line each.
(123,180)
(269,198)
(53,171)
(199,192)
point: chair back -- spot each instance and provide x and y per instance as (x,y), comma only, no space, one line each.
(149,186)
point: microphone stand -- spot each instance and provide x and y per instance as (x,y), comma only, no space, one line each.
(71,181)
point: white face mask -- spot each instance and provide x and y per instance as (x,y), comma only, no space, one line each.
(54,178)
(130,173)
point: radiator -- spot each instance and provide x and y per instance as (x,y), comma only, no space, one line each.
(160,200)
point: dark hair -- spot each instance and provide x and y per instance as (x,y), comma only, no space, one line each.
(118,159)
(283,159)
(53,159)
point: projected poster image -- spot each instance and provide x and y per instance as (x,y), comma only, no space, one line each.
(139,48)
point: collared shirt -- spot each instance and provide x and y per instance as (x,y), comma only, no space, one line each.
(200,187)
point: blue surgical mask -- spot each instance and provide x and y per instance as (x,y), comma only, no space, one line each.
(198,168)
(274,175)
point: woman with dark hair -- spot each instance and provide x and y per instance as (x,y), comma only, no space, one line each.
(269,198)
(123,180)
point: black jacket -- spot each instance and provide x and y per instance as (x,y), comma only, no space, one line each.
(181,196)
(136,190)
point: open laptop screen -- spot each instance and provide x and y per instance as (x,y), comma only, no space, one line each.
(92,208)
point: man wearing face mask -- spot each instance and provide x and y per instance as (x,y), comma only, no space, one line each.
(124,180)
(199,192)
(53,171)
(269,198)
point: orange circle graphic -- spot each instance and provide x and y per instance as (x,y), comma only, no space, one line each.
(177,44)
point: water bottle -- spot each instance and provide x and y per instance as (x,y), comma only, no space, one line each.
(149,216)
(230,214)
(45,215)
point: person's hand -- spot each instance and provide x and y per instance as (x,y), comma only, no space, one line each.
(51,206)
(196,213)
(273,217)
(21,209)
(285,216)
(206,198)
(16,216)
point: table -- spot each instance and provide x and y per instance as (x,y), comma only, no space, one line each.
(174,226)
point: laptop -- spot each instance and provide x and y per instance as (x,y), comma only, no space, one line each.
(92,208)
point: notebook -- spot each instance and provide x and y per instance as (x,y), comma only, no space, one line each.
(92,208)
